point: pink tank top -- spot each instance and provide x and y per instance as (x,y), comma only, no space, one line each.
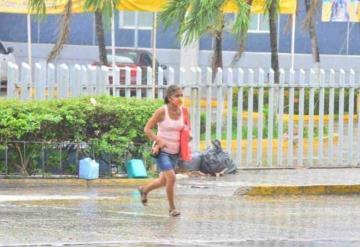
(169,131)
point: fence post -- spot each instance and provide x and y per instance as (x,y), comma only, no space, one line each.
(149,91)
(351,116)
(50,78)
(220,103)
(208,106)
(63,77)
(76,82)
(280,118)
(171,78)
(341,116)
(321,116)
(331,115)
(239,118)
(91,79)
(301,118)
(25,81)
(260,117)
(13,79)
(127,82)
(116,81)
(229,128)
(103,81)
(160,82)
(250,118)
(290,150)
(139,82)
(311,116)
(40,81)
(270,124)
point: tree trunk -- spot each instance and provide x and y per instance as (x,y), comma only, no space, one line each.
(64,32)
(273,15)
(99,26)
(313,37)
(217,55)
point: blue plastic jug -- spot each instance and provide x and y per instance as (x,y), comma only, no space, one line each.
(136,169)
(88,169)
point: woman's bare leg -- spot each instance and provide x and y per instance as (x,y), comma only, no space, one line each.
(170,187)
(157,183)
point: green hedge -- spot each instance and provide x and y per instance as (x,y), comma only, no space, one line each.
(114,126)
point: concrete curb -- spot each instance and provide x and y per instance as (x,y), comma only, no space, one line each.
(270,190)
(250,190)
(39,182)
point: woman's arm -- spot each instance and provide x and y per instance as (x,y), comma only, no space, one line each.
(151,124)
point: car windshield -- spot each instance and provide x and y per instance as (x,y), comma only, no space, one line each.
(123,57)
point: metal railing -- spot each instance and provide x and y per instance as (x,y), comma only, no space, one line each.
(308,119)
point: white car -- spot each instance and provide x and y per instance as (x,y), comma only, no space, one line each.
(6,55)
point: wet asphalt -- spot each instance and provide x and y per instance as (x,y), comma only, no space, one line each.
(211,216)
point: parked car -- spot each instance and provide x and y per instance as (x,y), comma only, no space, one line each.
(6,55)
(133,58)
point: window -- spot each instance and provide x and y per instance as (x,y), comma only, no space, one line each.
(258,23)
(136,20)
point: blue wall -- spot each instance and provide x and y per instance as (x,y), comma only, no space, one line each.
(332,36)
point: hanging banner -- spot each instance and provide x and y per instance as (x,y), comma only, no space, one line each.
(57,6)
(52,6)
(340,11)
(286,6)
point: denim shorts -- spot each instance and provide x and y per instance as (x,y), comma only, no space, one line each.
(166,161)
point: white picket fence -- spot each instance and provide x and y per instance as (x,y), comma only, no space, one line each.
(328,135)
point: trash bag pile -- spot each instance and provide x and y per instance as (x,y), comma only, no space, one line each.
(212,161)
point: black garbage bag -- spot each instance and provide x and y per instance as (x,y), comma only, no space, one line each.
(193,164)
(215,160)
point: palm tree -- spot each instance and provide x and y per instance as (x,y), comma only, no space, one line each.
(197,18)
(103,11)
(102,8)
(272,7)
(311,7)
(39,7)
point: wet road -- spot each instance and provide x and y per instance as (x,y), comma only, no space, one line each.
(211,216)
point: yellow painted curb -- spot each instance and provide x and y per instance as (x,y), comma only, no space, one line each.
(20,182)
(268,190)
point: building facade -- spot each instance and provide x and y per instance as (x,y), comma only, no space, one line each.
(339,42)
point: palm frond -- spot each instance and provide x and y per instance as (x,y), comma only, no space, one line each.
(268,4)
(240,27)
(105,6)
(201,16)
(64,32)
(241,24)
(37,7)
(174,12)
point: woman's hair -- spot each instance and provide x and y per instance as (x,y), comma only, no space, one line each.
(170,91)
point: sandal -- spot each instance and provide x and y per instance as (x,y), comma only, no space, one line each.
(142,195)
(174,212)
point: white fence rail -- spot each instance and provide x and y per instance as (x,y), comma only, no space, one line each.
(308,119)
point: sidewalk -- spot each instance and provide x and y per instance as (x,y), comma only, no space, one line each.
(287,181)
(244,183)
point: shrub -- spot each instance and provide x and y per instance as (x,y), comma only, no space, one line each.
(112,128)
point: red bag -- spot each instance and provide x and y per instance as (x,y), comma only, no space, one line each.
(185,151)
